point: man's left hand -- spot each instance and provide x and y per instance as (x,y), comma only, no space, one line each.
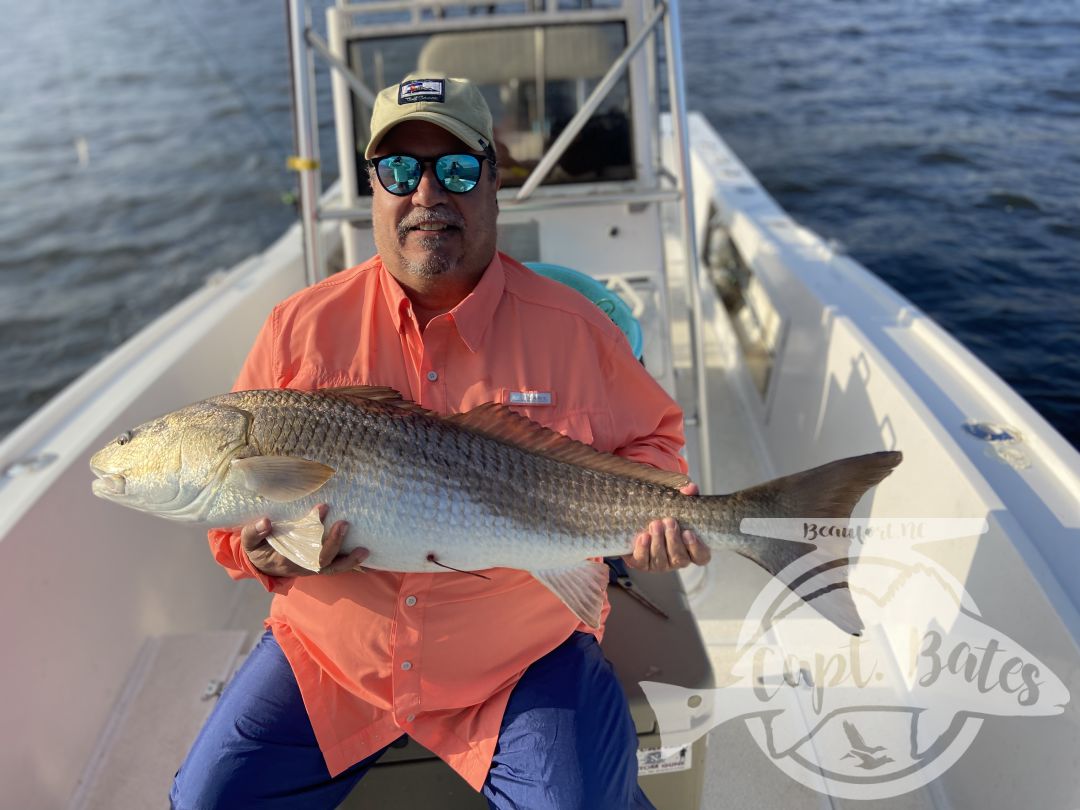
(665,546)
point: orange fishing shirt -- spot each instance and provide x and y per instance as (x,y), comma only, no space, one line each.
(377,653)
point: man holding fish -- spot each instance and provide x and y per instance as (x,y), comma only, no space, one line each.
(490,671)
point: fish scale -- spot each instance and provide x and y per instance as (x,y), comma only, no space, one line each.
(425,493)
(512,492)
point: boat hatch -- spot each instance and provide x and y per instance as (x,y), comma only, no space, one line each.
(755,319)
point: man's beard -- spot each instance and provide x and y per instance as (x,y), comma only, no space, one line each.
(436,262)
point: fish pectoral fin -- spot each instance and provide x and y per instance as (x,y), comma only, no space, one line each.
(580,586)
(299,540)
(282,478)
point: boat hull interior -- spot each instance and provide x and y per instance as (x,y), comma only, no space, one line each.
(121,628)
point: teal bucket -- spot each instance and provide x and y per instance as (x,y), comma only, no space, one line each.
(607,300)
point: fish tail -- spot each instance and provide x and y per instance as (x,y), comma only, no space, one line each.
(826,492)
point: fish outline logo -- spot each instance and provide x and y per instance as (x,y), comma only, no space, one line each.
(871,717)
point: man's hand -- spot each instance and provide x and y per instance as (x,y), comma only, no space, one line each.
(253,538)
(664,546)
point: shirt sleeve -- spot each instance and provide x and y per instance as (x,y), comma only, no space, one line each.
(648,424)
(257,372)
(260,369)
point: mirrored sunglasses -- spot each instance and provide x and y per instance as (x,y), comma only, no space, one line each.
(400,174)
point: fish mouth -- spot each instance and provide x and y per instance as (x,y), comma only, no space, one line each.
(107,485)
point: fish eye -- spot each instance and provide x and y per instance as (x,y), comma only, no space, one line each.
(123,438)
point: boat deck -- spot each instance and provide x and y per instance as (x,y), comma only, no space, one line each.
(192,664)
(737,772)
(819,360)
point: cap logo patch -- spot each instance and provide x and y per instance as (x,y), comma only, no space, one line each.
(415,90)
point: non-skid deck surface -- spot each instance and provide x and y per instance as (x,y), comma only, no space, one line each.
(164,704)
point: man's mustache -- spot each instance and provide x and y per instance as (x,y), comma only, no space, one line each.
(420,219)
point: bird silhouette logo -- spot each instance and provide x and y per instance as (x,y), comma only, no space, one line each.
(862,751)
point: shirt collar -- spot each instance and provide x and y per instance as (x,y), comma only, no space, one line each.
(471,316)
(396,299)
(476,311)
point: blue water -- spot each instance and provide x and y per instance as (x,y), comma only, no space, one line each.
(938,141)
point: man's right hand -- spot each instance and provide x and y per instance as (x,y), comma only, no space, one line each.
(272,563)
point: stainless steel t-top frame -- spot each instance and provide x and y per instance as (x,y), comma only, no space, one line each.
(304,43)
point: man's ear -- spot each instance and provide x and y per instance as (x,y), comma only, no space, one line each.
(498,177)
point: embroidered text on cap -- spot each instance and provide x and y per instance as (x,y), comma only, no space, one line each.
(414,90)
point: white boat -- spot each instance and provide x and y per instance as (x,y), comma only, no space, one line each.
(783,352)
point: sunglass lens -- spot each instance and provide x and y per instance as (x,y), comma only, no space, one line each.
(399,174)
(458,173)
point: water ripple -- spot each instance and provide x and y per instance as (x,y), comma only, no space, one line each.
(935,140)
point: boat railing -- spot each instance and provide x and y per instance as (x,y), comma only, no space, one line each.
(643,20)
(599,93)
(360,214)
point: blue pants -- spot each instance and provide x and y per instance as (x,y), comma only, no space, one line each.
(566,741)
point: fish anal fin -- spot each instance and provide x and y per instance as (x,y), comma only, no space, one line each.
(282,478)
(499,422)
(299,540)
(580,587)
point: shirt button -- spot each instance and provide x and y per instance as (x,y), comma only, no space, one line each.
(410,600)
(432,376)
(406,665)
(410,718)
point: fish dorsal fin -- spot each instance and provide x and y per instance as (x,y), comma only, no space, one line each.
(496,421)
(381,394)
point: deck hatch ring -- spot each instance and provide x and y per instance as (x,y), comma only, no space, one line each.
(990,431)
(28,464)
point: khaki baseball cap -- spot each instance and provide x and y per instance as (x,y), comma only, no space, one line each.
(456,105)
